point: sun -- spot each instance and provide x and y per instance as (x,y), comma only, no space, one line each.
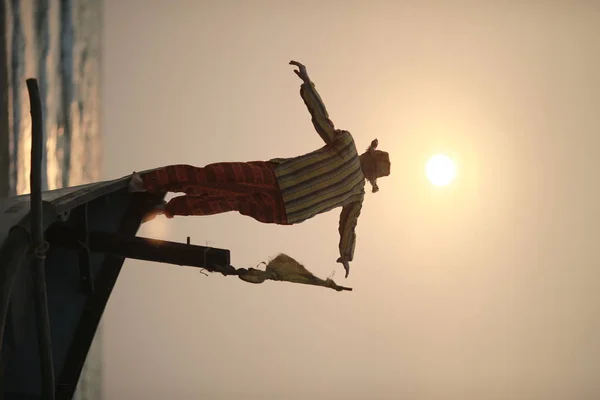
(440,170)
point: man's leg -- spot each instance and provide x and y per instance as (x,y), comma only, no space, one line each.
(264,206)
(250,188)
(209,180)
(198,205)
(193,205)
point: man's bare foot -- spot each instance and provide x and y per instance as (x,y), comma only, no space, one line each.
(158,210)
(136,184)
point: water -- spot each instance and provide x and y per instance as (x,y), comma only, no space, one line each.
(57,42)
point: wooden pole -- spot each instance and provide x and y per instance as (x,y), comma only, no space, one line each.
(39,246)
(211,259)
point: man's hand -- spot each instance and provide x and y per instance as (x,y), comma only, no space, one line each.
(346,265)
(301,71)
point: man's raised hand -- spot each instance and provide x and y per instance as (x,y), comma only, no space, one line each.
(301,71)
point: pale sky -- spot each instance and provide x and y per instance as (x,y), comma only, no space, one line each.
(487,289)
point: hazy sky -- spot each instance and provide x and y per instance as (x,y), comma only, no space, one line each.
(489,289)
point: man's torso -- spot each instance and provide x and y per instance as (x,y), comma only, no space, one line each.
(321,180)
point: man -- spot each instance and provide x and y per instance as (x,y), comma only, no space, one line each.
(283,191)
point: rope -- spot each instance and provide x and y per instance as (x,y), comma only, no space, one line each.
(40,250)
(84,246)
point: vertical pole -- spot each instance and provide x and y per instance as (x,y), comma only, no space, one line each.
(38,243)
(5,178)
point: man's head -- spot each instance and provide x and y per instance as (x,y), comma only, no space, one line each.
(375,164)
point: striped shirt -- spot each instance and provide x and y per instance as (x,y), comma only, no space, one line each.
(324,179)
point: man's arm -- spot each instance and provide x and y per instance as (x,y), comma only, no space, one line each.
(316,107)
(348,221)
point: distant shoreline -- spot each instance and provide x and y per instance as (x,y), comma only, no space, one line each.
(5,189)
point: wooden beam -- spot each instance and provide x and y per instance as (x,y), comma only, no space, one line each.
(139,248)
(38,244)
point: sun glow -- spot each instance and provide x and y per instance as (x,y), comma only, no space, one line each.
(440,170)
